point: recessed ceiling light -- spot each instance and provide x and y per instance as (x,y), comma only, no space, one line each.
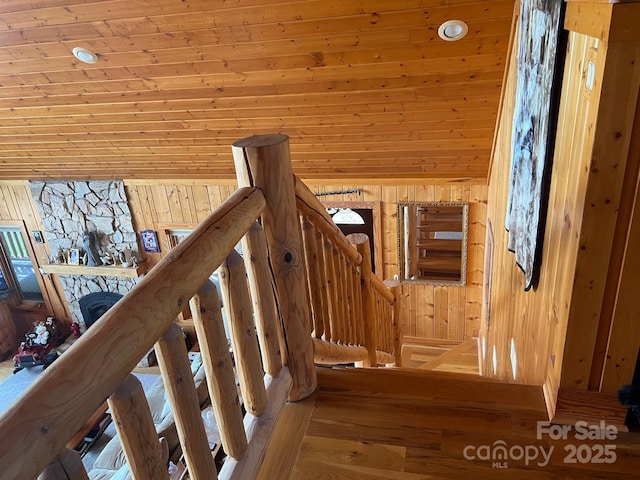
(453,30)
(85,55)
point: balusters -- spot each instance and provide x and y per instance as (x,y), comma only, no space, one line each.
(181,392)
(134,424)
(332,289)
(361,242)
(67,465)
(324,289)
(340,300)
(243,333)
(359,307)
(313,275)
(394,287)
(218,366)
(256,260)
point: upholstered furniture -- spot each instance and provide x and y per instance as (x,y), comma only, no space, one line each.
(111,463)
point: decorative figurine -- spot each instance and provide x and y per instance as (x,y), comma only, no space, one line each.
(75,329)
(61,257)
(89,240)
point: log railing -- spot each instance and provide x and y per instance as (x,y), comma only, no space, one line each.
(288,270)
(352,309)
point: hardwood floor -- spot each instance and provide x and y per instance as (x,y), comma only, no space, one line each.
(382,430)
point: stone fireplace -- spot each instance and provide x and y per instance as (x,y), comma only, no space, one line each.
(70,208)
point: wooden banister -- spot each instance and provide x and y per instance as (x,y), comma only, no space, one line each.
(289,271)
(264,161)
(70,390)
(398,328)
(382,289)
(309,205)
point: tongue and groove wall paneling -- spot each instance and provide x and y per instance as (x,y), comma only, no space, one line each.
(431,311)
(428,311)
(16,204)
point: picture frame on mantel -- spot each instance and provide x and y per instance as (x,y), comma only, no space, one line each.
(74,256)
(150,242)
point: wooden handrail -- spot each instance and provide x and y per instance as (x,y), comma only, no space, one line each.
(308,204)
(70,390)
(352,315)
(382,289)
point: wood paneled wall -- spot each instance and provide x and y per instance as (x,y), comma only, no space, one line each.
(557,327)
(429,311)
(17,205)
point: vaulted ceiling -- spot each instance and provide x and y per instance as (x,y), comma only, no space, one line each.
(364,88)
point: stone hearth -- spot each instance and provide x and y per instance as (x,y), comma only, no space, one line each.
(67,210)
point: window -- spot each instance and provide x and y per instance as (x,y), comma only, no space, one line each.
(17,268)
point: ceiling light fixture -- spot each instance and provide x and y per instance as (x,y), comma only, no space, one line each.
(85,55)
(453,30)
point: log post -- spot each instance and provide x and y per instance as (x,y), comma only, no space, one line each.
(398,327)
(207,318)
(183,397)
(264,161)
(67,465)
(256,261)
(236,297)
(361,242)
(137,432)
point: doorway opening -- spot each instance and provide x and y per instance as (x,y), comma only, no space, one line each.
(359,217)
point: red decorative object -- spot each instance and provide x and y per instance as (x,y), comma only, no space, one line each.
(38,345)
(75,330)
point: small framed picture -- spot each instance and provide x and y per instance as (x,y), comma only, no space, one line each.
(150,241)
(37,236)
(74,256)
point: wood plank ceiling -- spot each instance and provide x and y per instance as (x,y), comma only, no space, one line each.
(364,88)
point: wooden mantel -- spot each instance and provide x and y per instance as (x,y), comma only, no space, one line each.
(104,270)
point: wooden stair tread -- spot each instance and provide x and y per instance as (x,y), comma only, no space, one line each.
(434,387)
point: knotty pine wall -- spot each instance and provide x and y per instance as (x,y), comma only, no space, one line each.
(17,205)
(575,331)
(429,311)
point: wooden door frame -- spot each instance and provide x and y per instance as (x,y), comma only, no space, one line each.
(376,208)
